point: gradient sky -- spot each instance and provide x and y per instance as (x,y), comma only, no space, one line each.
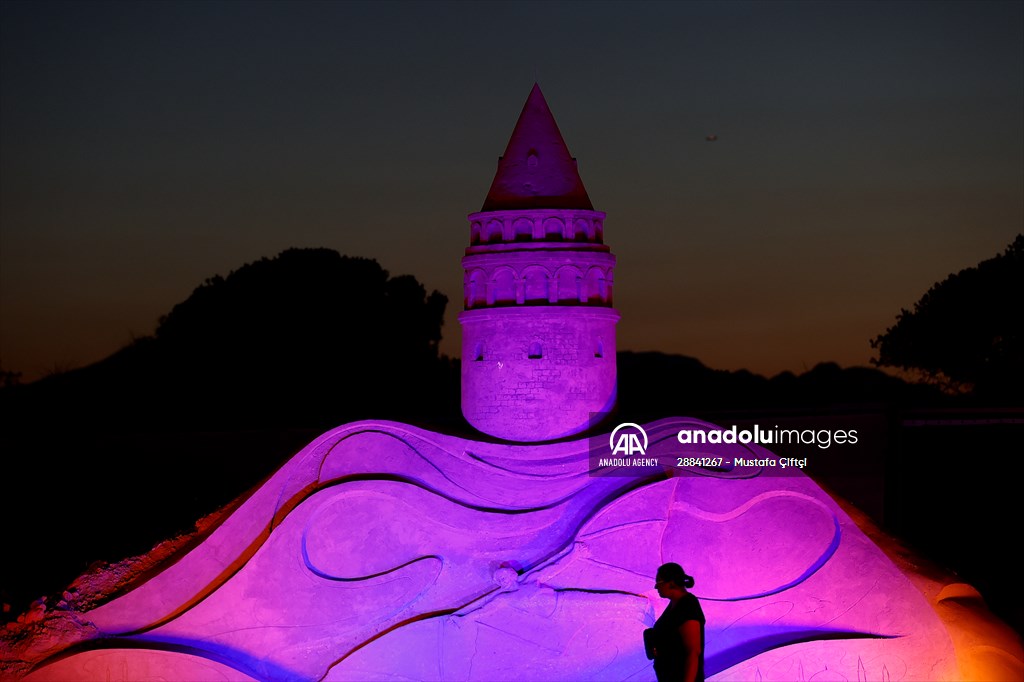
(864,152)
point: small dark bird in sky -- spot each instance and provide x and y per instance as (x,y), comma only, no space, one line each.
(711,138)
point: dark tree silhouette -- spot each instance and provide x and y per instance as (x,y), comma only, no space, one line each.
(967,332)
(252,366)
(309,336)
(308,339)
(8,378)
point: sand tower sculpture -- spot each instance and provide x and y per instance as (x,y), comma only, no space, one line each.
(538,329)
(383,551)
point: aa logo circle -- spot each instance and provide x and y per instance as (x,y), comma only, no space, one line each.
(628,439)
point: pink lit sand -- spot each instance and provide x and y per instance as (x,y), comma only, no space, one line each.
(385,552)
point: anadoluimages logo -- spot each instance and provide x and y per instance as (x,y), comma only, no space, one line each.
(628,442)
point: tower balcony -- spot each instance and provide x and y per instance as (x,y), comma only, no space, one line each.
(535,277)
(536,225)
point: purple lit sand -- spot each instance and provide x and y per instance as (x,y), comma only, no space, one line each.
(385,552)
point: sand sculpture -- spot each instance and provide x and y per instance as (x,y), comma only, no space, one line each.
(386,552)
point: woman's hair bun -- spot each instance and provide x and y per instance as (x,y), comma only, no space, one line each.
(675,573)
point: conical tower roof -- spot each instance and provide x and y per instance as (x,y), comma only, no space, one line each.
(536,170)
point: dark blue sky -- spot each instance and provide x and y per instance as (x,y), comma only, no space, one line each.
(865,151)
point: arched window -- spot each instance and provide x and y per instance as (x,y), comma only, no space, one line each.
(535,285)
(503,287)
(523,229)
(493,232)
(581,230)
(535,353)
(476,290)
(554,229)
(568,285)
(478,352)
(594,289)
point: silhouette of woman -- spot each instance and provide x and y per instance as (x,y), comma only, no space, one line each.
(678,635)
